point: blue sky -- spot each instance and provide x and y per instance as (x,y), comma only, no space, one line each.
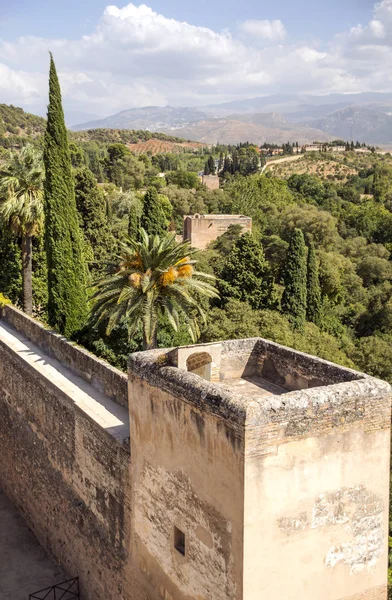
(124,55)
(72,18)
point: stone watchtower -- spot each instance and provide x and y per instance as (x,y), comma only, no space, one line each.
(258,473)
(200,230)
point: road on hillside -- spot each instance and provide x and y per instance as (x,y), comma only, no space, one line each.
(278,161)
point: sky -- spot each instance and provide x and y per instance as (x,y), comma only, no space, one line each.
(113,57)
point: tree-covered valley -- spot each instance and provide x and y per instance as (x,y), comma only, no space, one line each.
(320,247)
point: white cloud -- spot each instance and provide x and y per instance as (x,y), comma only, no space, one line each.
(135,56)
(265,30)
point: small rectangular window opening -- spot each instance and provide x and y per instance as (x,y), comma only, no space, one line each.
(179,541)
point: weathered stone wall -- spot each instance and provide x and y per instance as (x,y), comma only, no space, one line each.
(277,497)
(200,230)
(317,462)
(378,593)
(101,375)
(188,472)
(70,479)
(285,367)
(211,182)
(306,473)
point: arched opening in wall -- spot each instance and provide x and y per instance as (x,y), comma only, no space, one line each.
(200,364)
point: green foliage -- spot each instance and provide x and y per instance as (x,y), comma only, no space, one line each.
(92,208)
(209,167)
(155,278)
(21,192)
(238,320)
(183,179)
(319,226)
(11,266)
(21,208)
(67,301)
(259,197)
(123,169)
(295,278)
(245,275)
(123,136)
(313,296)
(373,355)
(14,120)
(153,218)
(382,183)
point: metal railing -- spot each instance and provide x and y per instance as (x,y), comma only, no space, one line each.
(67,590)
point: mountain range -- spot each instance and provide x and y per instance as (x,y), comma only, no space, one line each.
(365,117)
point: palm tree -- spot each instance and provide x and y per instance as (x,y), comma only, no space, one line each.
(22,209)
(153,277)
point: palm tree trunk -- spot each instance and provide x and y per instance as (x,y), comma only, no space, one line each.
(152,344)
(27,254)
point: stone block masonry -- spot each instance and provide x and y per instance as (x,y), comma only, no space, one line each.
(101,375)
(65,462)
(252,471)
(200,230)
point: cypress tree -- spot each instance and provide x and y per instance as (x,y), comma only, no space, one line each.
(153,218)
(246,274)
(92,209)
(207,168)
(67,296)
(220,164)
(294,295)
(313,299)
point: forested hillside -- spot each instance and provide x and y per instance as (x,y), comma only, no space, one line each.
(16,122)
(344,214)
(18,127)
(341,205)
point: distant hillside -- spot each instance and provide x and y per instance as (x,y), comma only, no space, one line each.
(123,136)
(357,123)
(153,118)
(159,146)
(233,131)
(15,121)
(193,124)
(16,125)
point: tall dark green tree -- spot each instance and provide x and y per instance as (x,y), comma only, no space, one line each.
(67,296)
(246,276)
(220,164)
(10,266)
(134,223)
(313,298)
(209,167)
(294,295)
(92,209)
(153,218)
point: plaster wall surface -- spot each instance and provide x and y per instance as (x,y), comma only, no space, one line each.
(315,506)
(200,230)
(187,473)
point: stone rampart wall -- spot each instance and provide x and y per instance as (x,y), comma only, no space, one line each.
(68,476)
(101,375)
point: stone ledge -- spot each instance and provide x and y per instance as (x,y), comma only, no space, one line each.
(102,376)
